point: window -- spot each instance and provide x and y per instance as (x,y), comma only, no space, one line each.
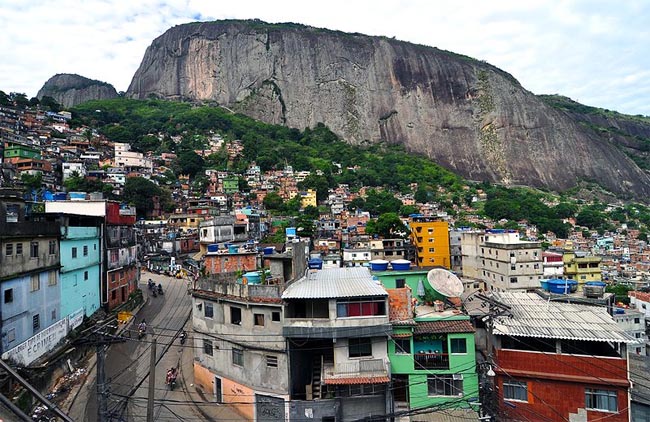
(11,335)
(85,250)
(596,399)
(271,361)
(19,249)
(85,275)
(74,252)
(36,322)
(259,319)
(402,345)
(359,347)
(9,249)
(637,335)
(235,315)
(445,385)
(35,283)
(208,311)
(52,247)
(360,307)
(238,357)
(400,283)
(51,278)
(513,267)
(636,320)
(9,295)
(207,347)
(275,316)
(513,279)
(432,250)
(458,345)
(53,314)
(515,390)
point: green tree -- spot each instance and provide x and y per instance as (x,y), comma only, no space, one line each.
(357,203)
(49,103)
(32,181)
(140,192)
(406,210)
(189,162)
(317,183)
(382,202)
(387,225)
(273,201)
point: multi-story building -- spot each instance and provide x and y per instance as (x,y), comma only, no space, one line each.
(470,253)
(581,267)
(509,263)
(552,264)
(337,327)
(81,251)
(432,353)
(558,361)
(124,157)
(308,198)
(356,257)
(392,249)
(29,280)
(633,323)
(119,273)
(430,236)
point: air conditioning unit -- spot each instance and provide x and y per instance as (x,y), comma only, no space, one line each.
(457,377)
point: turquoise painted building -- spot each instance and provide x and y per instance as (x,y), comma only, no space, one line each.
(80,268)
(432,350)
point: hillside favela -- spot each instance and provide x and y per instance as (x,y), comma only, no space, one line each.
(277,222)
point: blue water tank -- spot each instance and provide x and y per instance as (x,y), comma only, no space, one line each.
(213,248)
(60,196)
(619,311)
(560,286)
(233,248)
(596,283)
(401,265)
(378,265)
(315,264)
(269,250)
(252,277)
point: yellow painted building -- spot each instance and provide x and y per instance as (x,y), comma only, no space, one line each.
(581,267)
(308,198)
(431,239)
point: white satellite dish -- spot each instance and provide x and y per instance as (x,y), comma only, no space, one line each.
(445,282)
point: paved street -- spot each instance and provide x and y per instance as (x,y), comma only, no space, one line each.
(128,364)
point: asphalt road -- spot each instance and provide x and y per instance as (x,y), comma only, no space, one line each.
(128,364)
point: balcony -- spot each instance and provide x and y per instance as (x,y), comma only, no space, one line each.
(364,371)
(219,285)
(431,361)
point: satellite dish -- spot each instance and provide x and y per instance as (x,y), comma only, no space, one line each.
(445,282)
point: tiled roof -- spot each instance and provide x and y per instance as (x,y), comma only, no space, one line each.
(333,283)
(357,380)
(535,317)
(642,296)
(445,326)
(401,335)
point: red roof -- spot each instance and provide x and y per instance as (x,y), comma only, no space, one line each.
(645,297)
(434,327)
(357,380)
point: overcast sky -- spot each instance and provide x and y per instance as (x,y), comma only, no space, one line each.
(596,52)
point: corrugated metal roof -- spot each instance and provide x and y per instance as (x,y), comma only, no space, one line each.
(448,415)
(332,283)
(431,327)
(535,317)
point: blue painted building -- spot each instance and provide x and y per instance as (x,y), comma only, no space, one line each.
(80,266)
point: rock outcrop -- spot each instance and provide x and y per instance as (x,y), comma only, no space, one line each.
(466,115)
(69,89)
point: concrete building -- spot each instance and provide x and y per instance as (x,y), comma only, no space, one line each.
(392,249)
(337,327)
(633,323)
(29,280)
(124,157)
(430,236)
(551,365)
(581,267)
(552,264)
(509,263)
(470,253)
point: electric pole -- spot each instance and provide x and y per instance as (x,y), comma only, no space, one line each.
(152,381)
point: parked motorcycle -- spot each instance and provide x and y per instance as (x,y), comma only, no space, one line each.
(183,337)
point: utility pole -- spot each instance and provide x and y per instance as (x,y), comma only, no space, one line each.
(488,398)
(152,381)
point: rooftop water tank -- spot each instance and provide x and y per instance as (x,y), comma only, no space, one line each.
(400,265)
(213,248)
(233,248)
(252,277)
(560,286)
(378,265)
(315,264)
(594,289)
(269,250)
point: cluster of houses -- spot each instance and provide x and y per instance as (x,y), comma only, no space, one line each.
(465,323)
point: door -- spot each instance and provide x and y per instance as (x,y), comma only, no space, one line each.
(218,393)
(269,409)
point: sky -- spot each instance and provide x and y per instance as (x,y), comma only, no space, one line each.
(594,51)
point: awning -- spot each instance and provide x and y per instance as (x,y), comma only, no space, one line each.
(357,380)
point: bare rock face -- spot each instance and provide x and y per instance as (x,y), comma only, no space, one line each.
(70,90)
(461,113)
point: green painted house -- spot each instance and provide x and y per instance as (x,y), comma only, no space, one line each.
(20,152)
(230,184)
(432,351)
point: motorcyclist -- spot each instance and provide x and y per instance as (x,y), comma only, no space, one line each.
(183,336)
(142,328)
(171,376)
(160,289)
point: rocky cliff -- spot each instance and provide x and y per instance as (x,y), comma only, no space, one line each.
(70,90)
(464,114)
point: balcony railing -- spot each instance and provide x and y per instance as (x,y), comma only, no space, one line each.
(366,368)
(431,361)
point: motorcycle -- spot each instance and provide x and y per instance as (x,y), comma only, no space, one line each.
(142,331)
(183,337)
(171,378)
(160,289)
(153,292)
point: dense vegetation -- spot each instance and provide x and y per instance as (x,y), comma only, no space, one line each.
(142,123)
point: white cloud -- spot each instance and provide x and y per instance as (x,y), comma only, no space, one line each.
(592,51)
